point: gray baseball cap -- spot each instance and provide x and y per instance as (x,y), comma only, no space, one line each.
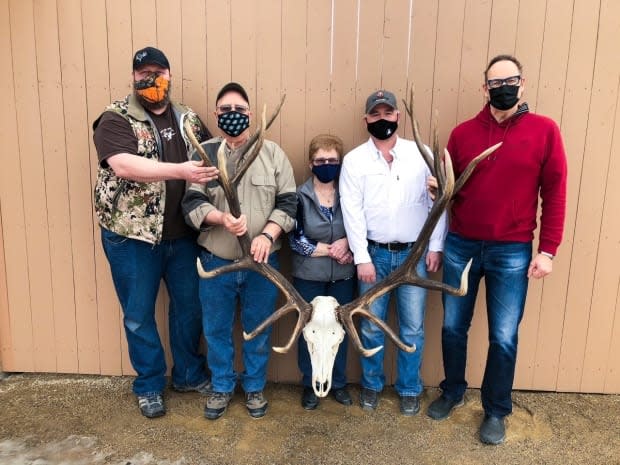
(378,97)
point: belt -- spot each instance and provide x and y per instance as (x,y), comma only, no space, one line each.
(392,246)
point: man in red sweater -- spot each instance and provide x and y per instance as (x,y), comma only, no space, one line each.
(493,222)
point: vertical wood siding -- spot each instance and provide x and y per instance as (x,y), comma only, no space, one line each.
(65,60)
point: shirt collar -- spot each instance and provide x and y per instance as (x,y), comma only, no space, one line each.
(394,151)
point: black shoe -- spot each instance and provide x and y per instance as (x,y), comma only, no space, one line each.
(152,406)
(409,405)
(342,396)
(369,399)
(256,404)
(441,407)
(492,430)
(309,400)
(217,403)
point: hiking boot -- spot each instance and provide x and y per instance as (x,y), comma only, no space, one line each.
(342,396)
(152,406)
(369,399)
(309,400)
(441,407)
(409,405)
(203,388)
(256,404)
(217,402)
(492,430)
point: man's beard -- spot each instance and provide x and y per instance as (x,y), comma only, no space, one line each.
(152,106)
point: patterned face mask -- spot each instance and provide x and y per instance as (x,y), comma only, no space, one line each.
(233,123)
(153,88)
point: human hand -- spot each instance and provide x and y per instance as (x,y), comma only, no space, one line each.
(236,226)
(194,172)
(260,248)
(431,186)
(338,249)
(540,266)
(433,261)
(348,258)
(366,273)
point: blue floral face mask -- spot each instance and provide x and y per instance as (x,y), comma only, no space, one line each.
(233,123)
(326,173)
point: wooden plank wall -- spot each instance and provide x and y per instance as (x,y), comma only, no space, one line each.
(65,60)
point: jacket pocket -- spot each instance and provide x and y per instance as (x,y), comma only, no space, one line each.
(264,187)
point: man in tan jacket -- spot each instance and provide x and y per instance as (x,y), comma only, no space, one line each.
(268,204)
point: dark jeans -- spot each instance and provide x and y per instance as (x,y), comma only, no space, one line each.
(219,297)
(137,270)
(504,268)
(343,291)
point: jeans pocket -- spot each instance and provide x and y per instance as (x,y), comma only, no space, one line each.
(111,238)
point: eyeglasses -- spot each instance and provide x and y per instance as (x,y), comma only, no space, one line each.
(510,81)
(325,161)
(240,108)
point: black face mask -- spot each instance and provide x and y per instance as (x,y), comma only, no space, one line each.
(382,129)
(504,97)
(326,173)
(233,123)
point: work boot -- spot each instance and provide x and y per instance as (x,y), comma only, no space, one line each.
(369,399)
(441,407)
(256,404)
(152,406)
(409,405)
(492,430)
(217,403)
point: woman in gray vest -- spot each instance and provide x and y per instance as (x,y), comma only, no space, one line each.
(322,261)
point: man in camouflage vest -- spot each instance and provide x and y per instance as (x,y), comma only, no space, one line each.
(143,167)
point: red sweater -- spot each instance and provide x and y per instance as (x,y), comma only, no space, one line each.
(499,201)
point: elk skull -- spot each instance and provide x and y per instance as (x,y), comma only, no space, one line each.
(323,333)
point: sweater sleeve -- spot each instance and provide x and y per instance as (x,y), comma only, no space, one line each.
(553,192)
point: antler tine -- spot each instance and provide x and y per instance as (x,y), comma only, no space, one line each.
(472,165)
(347,321)
(440,171)
(256,141)
(192,138)
(424,150)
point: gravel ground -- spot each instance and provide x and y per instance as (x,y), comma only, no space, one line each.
(80,420)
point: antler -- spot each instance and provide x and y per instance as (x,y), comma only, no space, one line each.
(406,273)
(294,301)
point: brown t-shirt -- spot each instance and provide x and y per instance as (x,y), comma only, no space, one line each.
(114,135)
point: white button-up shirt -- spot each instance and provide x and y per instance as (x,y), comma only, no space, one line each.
(383,203)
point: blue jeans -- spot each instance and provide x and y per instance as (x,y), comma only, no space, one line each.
(410,306)
(137,270)
(219,297)
(504,268)
(343,291)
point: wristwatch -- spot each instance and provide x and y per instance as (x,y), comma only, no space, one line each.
(268,236)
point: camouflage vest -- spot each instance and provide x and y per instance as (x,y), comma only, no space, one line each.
(130,208)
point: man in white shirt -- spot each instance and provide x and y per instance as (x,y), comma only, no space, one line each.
(385,203)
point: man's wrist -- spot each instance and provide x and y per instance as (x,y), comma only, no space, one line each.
(546,254)
(268,236)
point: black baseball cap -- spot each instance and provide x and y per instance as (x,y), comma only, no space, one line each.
(233,87)
(380,96)
(150,56)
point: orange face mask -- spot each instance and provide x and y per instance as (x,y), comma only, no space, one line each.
(153,88)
